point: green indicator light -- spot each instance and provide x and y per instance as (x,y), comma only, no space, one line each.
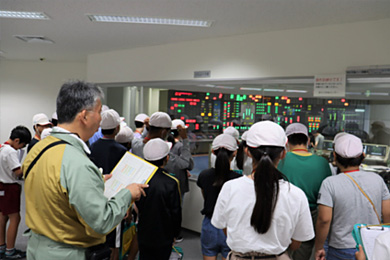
(243,115)
(276,98)
(244,97)
(179,110)
(252,116)
(231,96)
(217,126)
(279,119)
(276,110)
(269,109)
(207,94)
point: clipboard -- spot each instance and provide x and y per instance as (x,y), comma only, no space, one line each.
(365,235)
(130,169)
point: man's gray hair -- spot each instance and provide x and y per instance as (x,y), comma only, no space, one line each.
(74,97)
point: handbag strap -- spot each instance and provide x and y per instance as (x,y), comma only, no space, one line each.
(41,153)
(360,188)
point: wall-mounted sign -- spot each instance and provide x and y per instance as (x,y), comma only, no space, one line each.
(329,86)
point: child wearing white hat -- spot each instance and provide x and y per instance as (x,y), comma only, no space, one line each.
(263,213)
(353,196)
(139,122)
(40,122)
(105,154)
(125,136)
(160,210)
(213,240)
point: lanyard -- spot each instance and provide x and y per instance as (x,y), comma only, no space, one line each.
(351,171)
(299,150)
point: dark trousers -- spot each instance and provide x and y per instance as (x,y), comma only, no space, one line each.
(153,253)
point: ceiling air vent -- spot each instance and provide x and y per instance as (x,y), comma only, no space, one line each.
(34,39)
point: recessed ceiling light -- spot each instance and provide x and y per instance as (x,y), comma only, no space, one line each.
(207,86)
(34,39)
(23,15)
(147,20)
(254,89)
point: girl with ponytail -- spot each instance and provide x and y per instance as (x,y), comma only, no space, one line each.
(263,214)
(211,180)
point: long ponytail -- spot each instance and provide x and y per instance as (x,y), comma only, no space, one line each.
(240,157)
(222,166)
(266,179)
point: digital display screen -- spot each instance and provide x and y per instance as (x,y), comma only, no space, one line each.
(376,150)
(212,112)
(328,145)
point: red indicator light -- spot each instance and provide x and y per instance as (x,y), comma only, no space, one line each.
(182,118)
(343,100)
(300,99)
(174,99)
(175,105)
(214,98)
(298,118)
(197,127)
(187,125)
(220,95)
(172,108)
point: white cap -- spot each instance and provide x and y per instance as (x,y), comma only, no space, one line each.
(348,146)
(338,135)
(46,132)
(156,149)
(224,141)
(177,122)
(232,131)
(296,128)
(41,119)
(110,119)
(160,119)
(105,108)
(244,136)
(266,133)
(141,117)
(54,116)
(125,135)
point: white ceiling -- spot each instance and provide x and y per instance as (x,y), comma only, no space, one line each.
(75,36)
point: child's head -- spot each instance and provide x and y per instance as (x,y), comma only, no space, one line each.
(156,151)
(348,150)
(20,137)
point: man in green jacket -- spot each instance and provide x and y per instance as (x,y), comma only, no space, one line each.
(65,206)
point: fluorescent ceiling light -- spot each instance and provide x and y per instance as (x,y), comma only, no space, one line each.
(225,87)
(273,90)
(360,110)
(147,20)
(369,80)
(353,93)
(296,91)
(207,86)
(378,94)
(254,89)
(23,15)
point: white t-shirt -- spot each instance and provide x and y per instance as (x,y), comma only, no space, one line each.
(9,160)
(382,247)
(291,218)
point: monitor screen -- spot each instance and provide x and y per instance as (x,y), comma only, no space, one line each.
(376,150)
(328,145)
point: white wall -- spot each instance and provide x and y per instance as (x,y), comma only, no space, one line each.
(28,88)
(300,52)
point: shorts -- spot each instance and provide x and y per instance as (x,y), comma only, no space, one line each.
(10,198)
(113,239)
(213,240)
(340,254)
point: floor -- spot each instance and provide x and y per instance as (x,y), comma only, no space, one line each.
(190,245)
